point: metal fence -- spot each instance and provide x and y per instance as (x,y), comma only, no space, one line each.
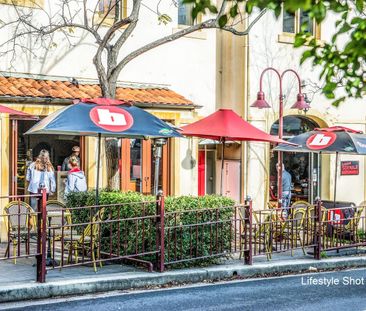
(192,235)
(143,232)
(342,227)
(92,235)
(272,232)
(25,230)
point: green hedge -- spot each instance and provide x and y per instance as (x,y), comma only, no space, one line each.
(180,243)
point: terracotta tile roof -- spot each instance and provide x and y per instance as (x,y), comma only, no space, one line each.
(55,89)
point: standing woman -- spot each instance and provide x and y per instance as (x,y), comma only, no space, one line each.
(41,174)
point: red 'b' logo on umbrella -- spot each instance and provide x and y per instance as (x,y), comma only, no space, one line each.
(321,140)
(111,118)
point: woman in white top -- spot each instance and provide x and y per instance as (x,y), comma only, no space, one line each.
(41,174)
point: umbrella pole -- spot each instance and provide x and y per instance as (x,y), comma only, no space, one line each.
(335,180)
(222,165)
(98,169)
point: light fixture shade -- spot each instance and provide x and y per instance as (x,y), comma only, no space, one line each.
(301,104)
(260,102)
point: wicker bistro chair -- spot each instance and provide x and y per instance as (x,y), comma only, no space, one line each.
(56,209)
(293,229)
(309,223)
(20,220)
(262,235)
(87,241)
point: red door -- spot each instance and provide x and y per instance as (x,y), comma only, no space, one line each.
(201,172)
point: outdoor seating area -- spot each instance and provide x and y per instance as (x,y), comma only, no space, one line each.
(93,235)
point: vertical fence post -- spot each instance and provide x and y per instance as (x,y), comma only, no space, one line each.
(160,232)
(248,220)
(41,237)
(318,229)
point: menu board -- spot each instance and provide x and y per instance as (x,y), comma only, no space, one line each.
(350,167)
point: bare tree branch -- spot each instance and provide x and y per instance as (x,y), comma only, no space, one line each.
(109,39)
(209,24)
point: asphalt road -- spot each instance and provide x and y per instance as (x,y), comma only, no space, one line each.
(345,290)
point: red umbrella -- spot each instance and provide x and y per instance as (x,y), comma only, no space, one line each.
(225,124)
(4,109)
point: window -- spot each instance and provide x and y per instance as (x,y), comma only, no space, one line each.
(184,14)
(292,23)
(25,3)
(288,22)
(108,7)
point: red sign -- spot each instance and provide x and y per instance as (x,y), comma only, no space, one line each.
(350,167)
(111,118)
(335,216)
(321,140)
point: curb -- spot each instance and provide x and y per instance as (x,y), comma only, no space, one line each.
(129,280)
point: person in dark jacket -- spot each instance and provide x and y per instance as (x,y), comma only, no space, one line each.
(75,153)
(76,181)
(286,188)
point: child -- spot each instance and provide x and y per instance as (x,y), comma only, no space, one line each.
(76,181)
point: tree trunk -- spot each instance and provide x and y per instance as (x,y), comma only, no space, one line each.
(111,152)
(111,144)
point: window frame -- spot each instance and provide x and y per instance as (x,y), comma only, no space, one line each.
(33,4)
(197,21)
(289,37)
(109,20)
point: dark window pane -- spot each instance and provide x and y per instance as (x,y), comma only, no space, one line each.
(288,22)
(293,126)
(305,19)
(136,159)
(184,14)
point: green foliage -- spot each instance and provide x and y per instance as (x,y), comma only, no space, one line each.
(182,241)
(343,64)
(323,255)
(164,19)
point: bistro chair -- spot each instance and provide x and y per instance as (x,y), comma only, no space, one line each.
(88,240)
(19,223)
(261,235)
(56,210)
(293,229)
(309,223)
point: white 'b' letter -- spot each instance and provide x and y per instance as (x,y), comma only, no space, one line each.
(110,118)
(320,140)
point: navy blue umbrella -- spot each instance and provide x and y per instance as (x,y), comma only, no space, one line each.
(336,139)
(103,117)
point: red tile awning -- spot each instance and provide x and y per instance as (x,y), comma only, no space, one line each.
(147,95)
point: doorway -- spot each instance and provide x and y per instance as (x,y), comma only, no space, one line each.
(206,171)
(305,168)
(25,149)
(136,166)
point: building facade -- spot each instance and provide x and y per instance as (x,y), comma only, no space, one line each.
(180,82)
(173,82)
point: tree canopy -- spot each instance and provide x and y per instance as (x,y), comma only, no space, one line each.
(342,60)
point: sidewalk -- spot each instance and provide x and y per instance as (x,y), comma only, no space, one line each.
(17,281)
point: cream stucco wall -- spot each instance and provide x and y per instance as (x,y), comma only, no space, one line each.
(266,51)
(187,66)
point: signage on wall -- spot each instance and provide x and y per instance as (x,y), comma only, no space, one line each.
(350,167)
